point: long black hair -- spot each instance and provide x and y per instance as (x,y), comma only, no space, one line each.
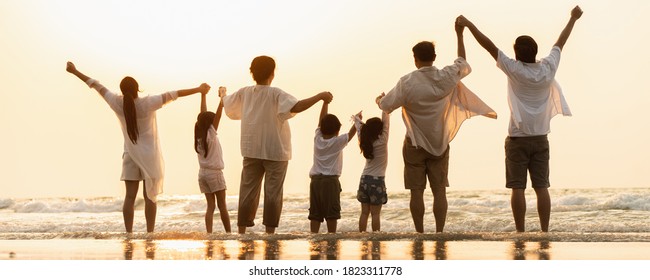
(129,87)
(370,132)
(203,122)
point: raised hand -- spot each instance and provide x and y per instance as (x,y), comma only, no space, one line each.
(70,67)
(222,92)
(326,96)
(462,21)
(204,88)
(576,13)
(378,98)
(459,26)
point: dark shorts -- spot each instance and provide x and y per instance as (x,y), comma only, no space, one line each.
(372,190)
(324,198)
(420,165)
(527,155)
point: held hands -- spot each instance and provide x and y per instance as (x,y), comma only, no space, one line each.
(461,22)
(459,25)
(576,13)
(378,98)
(204,88)
(326,96)
(359,115)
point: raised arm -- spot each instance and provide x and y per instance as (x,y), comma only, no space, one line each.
(576,13)
(204,106)
(459,36)
(323,112)
(71,68)
(305,104)
(483,40)
(203,88)
(217,117)
(352,132)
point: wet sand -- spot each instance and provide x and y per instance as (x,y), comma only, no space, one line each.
(321,247)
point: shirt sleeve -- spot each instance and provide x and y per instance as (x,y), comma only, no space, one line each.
(232,105)
(342,141)
(285,103)
(155,102)
(553,59)
(460,69)
(113,100)
(505,63)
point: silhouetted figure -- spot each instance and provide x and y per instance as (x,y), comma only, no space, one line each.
(534,97)
(434,105)
(142,158)
(264,112)
(325,187)
(373,141)
(212,183)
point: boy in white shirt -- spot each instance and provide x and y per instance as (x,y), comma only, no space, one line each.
(325,188)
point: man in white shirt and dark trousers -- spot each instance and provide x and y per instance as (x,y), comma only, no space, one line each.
(325,187)
(534,98)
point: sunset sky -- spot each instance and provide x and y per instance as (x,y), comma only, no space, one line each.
(60,139)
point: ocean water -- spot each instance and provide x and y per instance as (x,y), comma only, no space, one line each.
(577,215)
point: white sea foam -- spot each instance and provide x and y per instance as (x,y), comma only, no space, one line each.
(573,211)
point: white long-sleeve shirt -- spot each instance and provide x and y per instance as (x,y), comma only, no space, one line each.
(146,153)
(434,104)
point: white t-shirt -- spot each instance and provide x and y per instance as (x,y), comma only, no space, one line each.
(434,104)
(328,154)
(377,166)
(534,96)
(263,111)
(214,160)
(146,153)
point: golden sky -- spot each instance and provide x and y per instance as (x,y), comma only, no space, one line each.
(61,139)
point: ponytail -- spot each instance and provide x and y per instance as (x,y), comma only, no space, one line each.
(369,133)
(203,122)
(129,87)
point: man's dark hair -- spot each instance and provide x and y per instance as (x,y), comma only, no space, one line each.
(424,51)
(525,49)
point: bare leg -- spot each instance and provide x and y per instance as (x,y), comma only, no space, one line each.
(223,210)
(314,226)
(331,225)
(363,219)
(417,209)
(543,207)
(209,211)
(129,203)
(518,204)
(150,209)
(440,207)
(376,222)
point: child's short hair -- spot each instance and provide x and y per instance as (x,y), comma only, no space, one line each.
(262,68)
(330,124)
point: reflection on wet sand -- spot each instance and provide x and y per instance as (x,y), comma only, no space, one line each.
(332,248)
(129,248)
(246,250)
(371,250)
(418,250)
(521,252)
(212,246)
(324,249)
